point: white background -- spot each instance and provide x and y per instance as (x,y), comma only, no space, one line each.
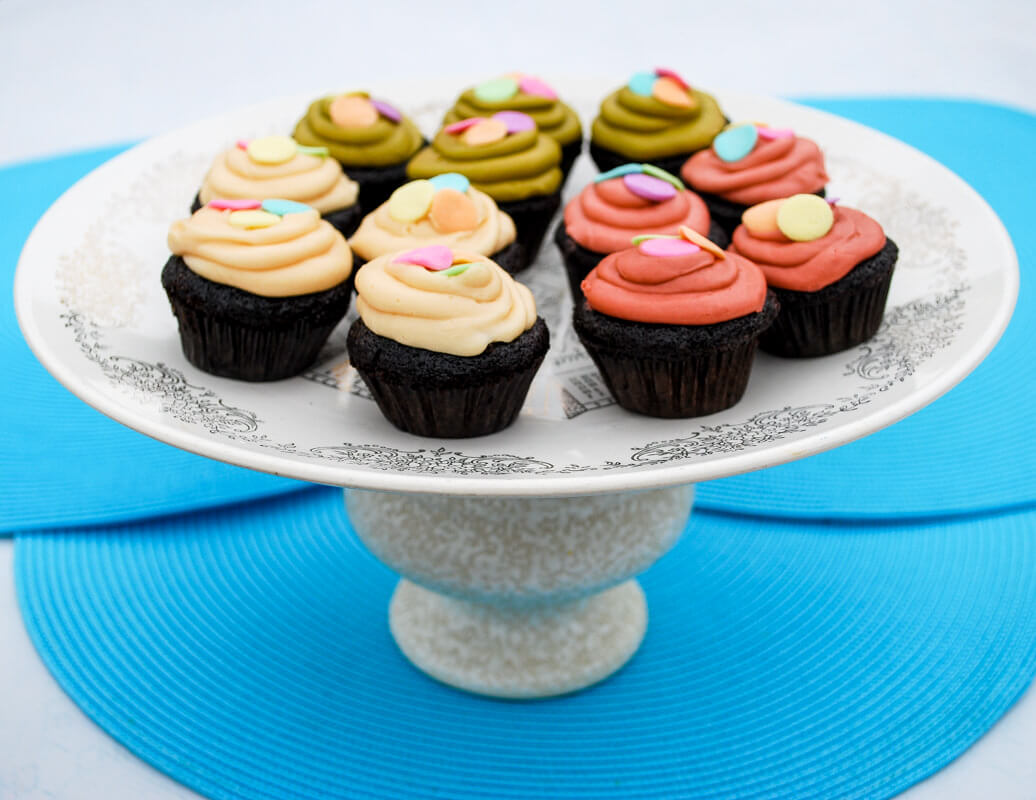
(77,75)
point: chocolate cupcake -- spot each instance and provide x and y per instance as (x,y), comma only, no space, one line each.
(532,96)
(622,203)
(278,166)
(447,342)
(830,267)
(672,324)
(256,287)
(446,210)
(750,164)
(657,119)
(509,159)
(370,138)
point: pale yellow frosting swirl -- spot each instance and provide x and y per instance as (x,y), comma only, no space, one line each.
(314,180)
(455,314)
(298,255)
(380,233)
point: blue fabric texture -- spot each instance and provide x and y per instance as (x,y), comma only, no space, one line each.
(245,652)
(63,462)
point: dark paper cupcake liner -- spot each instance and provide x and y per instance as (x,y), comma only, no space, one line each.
(727,213)
(446,396)
(511,259)
(569,153)
(532,217)
(673,370)
(344,220)
(236,334)
(579,260)
(606,159)
(839,316)
(377,183)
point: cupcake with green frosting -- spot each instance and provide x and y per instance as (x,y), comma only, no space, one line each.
(370,138)
(532,96)
(507,157)
(656,118)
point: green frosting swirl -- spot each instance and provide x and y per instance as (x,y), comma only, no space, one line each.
(518,166)
(379,145)
(642,128)
(553,117)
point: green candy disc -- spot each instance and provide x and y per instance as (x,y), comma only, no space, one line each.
(661,174)
(497,90)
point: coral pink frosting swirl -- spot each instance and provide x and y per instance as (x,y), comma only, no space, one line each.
(810,266)
(775,168)
(606,215)
(695,289)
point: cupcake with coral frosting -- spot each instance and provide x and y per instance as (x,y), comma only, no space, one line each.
(830,267)
(672,324)
(256,287)
(370,138)
(750,164)
(655,118)
(622,203)
(445,210)
(447,342)
(530,95)
(507,157)
(278,166)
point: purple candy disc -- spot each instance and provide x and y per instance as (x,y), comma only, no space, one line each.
(650,188)
(516,121)
(389,112)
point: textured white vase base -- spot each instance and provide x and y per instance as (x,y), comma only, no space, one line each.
(518,654)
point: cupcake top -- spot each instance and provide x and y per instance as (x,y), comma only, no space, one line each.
(629,200)
(751,163)
(520,92)
(504,155)
(804,242)
(278,166)
(442,300)
(675,280)
(273,248)
(359,131)
(445,210)
(657,115)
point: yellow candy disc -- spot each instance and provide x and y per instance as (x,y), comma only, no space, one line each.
(761,219)
(252,218)
(485,132)
(805,217)
(411,201)
(707,245)
(272,149)
(453,211)
(668,91)
(352,111)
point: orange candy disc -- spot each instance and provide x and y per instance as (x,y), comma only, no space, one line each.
(453,211)
(485,132)
(761,220)
(707,245)
(668,91)
(352,111)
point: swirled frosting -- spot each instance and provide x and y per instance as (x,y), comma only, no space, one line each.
(518,166)
(381,144)
(316,181)
(775,168)
(810,266)
(381,233)
(299,254)
(699,288)
(553,117)
(606,215)
(455,314)
(644,128)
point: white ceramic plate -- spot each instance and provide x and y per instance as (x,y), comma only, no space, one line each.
(89,301)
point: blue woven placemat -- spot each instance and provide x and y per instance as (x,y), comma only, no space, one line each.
(245,652)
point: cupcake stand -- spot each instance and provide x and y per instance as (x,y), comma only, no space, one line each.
(518,552)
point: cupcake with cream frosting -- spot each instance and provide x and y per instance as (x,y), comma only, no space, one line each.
(370,138)
(830,267)
(445,210)
(655,118)
(447,342)
(751,163)
(622,203)
(672,324)
(278,166)
(256,287)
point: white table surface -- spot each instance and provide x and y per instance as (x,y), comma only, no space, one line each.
(78,75)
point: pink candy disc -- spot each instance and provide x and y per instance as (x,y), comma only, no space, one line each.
(435,257)
(536,87)
(649,188)
(833,201)
(224,204)
(775,133)
(462,125)
(389,112)
(662,72)
(242,143)
(516,121)
(667,248)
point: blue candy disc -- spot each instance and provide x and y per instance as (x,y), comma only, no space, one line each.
(735,143)
(620,171)
(643,83)
(450,180)
(282,207)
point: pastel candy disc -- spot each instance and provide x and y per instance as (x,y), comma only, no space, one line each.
(253,218)
(805,217)
(352,111)
(462,125)
(536,87)
(497,90)
(735,143)
(452,212)
(649,188)
(435,257)
(662,72)
(703,242)
(387,110)
(411,201)
(486,131)
(233,204)
(668,91)
(761,219)
(619,171)
(450,180)
(516,121)
(272,149)
(667,248)
(766,132)
(281,207)
(643,83)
